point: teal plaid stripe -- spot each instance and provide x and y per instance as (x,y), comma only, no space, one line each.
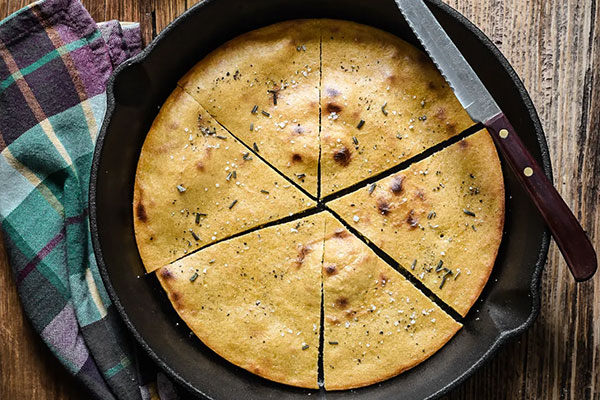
(54,63)
(47,58)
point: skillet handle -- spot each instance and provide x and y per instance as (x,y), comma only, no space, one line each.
(568,234)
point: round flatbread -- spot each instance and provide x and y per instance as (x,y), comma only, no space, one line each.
(297,105)
(255,299)
(441,219)
(263,86)
(383,101)
(196,184)
(377,324)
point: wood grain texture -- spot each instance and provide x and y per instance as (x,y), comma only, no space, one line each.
(555,48)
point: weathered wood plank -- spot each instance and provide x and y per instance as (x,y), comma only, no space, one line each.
(555,48)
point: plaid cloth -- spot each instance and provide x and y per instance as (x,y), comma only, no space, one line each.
(54,64)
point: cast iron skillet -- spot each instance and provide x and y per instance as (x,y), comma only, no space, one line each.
(507,307)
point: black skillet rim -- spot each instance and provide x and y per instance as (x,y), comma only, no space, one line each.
(504,337)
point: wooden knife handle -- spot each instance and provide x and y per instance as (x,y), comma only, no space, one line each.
(570,237)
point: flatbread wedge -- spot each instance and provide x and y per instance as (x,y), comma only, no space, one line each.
(377,324)
(263,86)
(255,299)
(196,184)
(382,101)
(441,219)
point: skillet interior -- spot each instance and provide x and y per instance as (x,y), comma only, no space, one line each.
(508,305)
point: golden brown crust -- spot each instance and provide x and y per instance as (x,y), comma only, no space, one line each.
(448,208)
(276,69)
(242,296)
(189,173)
(377,324)
(255,299)
(395,90)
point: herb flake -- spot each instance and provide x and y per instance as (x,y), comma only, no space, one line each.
(233,203)
(360,124)
(383,110)
(194,277)
(469,213)
(439,266)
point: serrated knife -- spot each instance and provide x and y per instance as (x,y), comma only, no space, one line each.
(570,237)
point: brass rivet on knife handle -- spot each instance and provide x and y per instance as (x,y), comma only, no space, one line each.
(503,133)
(528,172)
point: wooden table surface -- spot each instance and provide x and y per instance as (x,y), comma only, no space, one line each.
(555,48)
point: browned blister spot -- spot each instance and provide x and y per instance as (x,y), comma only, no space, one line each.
(411,219)
(140,211)
(304,250)
(383,206)
(342,156)
(173,125)
(441,114)
(463,144)
(255,368)
(200,166)
(341,302)
(431,86)
(350,314)
(451,128)
(331,270)
(296,158)
(176,299)
(341,233)
(383,279)
(332,107)
(166,274)
(333,320)
(396,184)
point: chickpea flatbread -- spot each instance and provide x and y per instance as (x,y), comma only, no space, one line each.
(377,324)
(255,299)
(263,86)
(441,219)
(383,101)
(196,184)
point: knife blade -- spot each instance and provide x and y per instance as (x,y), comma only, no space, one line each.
(468,88)
(568,234)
